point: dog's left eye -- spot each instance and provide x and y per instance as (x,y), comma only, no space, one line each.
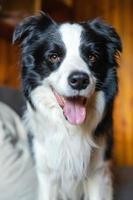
(92,58)
(54,58)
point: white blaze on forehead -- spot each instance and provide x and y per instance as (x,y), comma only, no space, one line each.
(72,61)
(71,36)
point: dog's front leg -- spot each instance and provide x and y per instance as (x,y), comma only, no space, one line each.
(47,189)
(99,185)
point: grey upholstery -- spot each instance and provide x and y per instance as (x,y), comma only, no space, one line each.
(124,183)
(13,98)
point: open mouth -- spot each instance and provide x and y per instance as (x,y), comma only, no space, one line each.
(74,108)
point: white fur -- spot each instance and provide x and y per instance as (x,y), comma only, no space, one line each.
(70,34)
(69,163)
(63,151)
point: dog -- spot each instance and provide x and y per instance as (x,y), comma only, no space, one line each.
(69,75)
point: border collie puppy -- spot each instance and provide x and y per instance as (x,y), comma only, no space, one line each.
(70,82)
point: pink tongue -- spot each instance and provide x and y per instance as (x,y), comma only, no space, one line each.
(74,111)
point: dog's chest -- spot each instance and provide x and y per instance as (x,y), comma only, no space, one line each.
(64,154)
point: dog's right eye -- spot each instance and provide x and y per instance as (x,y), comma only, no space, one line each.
(54,58)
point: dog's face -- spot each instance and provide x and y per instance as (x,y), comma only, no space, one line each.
(73,60)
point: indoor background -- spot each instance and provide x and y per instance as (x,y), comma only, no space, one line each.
(119,13)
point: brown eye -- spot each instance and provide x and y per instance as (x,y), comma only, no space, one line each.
(92,58)
(54,58)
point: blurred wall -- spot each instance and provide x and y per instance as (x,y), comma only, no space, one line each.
(9,67)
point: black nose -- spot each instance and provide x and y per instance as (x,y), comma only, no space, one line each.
(78,80)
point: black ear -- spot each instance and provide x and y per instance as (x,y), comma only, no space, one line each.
(108,32)
(31,23)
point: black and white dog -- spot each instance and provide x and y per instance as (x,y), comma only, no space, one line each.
(70,82)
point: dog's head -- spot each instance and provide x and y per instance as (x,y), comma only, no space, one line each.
(72,59)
